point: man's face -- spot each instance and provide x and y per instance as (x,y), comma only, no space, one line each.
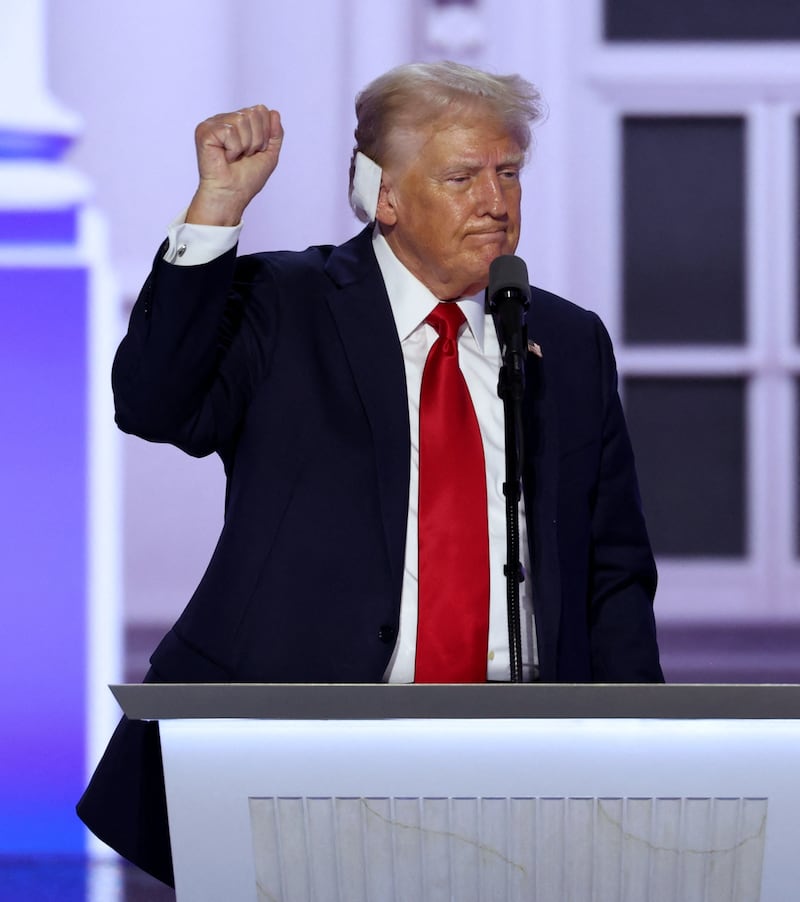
(450,201)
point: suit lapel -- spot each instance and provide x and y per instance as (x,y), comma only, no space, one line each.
(360,307)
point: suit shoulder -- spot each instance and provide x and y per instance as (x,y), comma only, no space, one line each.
(341,264)
(560,310)
(268,265)
(575,333)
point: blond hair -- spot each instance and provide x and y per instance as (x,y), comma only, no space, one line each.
(413,95)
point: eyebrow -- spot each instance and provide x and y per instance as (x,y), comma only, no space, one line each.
(472,165)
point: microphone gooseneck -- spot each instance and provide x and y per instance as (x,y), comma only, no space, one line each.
(509,297)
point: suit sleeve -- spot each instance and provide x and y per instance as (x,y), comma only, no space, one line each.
(623,572)
(195,347)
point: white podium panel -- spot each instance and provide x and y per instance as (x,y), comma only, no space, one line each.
(461,809)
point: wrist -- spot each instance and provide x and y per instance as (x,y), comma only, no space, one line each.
(215,207)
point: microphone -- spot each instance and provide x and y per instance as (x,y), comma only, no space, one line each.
(509,298)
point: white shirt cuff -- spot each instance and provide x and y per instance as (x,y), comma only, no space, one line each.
(191,244)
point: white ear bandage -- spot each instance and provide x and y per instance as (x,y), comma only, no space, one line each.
(366,188)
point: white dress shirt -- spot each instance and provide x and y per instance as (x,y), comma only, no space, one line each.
(480,361)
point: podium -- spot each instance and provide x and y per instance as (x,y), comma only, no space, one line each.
(519,793)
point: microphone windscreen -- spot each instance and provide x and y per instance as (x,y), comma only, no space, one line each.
(508,272)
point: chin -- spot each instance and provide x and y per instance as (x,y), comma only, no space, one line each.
(477,267)
(493,253)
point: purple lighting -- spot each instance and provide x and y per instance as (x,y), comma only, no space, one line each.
(43,389)
(39,226)
(32,145)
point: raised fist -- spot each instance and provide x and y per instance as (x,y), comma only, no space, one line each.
(236,154)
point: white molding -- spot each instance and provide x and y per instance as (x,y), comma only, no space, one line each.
(39,185)
(689,360)
(104,593)
(757,82)
(25,103)
(751,69)
(782,229)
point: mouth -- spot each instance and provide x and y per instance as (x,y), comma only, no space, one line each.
(496,241)
(488,233)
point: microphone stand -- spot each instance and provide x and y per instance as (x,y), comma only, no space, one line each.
(511,388)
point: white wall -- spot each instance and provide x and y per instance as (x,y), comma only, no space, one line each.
(142,75)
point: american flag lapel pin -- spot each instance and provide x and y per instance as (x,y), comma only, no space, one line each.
(534,348)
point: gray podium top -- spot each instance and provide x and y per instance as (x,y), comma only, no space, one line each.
(284,701)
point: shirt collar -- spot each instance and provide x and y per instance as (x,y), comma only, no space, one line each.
(411,301)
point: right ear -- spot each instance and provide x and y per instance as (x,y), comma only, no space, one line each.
(386,212)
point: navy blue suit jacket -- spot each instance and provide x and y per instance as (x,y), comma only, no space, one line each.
(289,366)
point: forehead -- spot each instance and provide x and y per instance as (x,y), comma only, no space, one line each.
(473,136)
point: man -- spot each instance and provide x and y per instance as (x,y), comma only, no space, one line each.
(311,374)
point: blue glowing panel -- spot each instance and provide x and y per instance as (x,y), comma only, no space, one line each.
(43,412)
(39,226)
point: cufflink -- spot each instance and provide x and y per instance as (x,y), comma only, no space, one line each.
(181,250)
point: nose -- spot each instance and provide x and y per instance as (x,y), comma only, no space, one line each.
(492,198)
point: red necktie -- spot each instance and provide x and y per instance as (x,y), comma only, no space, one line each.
(453,624)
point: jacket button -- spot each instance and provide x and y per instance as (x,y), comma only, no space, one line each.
(387,633)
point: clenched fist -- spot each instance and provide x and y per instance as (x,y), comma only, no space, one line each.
(236,154)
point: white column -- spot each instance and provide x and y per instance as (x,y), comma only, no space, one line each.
(28,107)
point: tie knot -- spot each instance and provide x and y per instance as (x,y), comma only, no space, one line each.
(446,318)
